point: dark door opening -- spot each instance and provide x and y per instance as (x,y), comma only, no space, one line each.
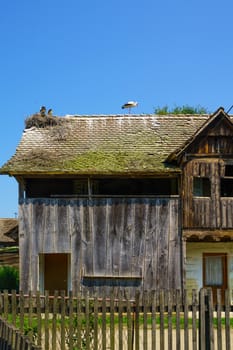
(55,272)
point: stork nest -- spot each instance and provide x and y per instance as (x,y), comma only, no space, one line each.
(39,121)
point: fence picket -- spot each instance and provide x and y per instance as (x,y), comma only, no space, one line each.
(112,322)
(104,322)
(129,321)
(144,322)
(71,320)
(219,323)
(13,307)
(194,319)
(63,310)
(38,315)
(169,315)
(153,322)
(186,325)
(87,321)
(95,321)
(46,321)
(120,320)
(178,301)
(161,314)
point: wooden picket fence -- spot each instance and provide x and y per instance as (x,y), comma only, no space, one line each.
(11,338)
(161,319)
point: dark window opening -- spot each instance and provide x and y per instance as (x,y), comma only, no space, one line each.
(229,170)
(45,188)
(42,188)
(201,187)
(226,187)
(135,187)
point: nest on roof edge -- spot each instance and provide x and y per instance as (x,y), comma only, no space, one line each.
(41,121)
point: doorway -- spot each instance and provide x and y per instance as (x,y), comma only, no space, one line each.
(56,267)
(215,273)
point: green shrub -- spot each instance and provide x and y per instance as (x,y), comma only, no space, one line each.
(9,278)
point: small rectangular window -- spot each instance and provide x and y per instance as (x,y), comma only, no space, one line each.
(226,187)
(229,170)
(201,187)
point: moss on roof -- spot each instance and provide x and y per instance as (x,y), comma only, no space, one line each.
(102,145)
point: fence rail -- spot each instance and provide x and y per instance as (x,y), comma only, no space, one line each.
(161,319)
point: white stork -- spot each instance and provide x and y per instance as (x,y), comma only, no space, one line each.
(129,105)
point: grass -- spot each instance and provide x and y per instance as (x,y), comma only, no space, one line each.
(32,325)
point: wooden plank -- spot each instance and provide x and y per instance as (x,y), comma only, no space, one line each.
(87,321)
(21,307)
(71,336)
(30,316)
(162,325)
(39,316)
(54,320)
(136,322)
(145,320)
(95,321)
(129,322)
(186,325)
(78,243)
(112,322)
(219,320)
(153,316)
(169,316)
(116,232)
(99,251)
(227,319)
(103,328)
(120,320)
(79,322)
(178,306)
(46,320)
(61,229)
(202,319)
(211,311)
(194,319)
(162,229)
(63,320)
(25,212)
(139,236)
(14,307)
(126,243)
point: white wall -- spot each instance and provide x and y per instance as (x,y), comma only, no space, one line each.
(193,261)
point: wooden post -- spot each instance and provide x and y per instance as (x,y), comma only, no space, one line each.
(206,341)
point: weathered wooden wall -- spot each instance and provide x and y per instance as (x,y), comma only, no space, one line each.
(125,242)
(206,212)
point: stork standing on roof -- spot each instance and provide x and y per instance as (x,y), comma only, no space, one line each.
(129,105)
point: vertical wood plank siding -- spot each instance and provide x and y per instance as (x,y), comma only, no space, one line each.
(136,240)
(206,212)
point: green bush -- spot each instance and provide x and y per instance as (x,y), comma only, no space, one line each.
(9,278)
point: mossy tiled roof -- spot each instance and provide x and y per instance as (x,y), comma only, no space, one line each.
(103,145)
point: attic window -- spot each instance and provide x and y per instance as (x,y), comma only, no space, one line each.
(229,170)
(201,187)
(226,187)
(134,187)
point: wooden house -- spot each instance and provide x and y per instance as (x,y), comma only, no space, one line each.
(8,232)
(9,250)
(138,201)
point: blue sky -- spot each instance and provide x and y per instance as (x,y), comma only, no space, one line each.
(90,57)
